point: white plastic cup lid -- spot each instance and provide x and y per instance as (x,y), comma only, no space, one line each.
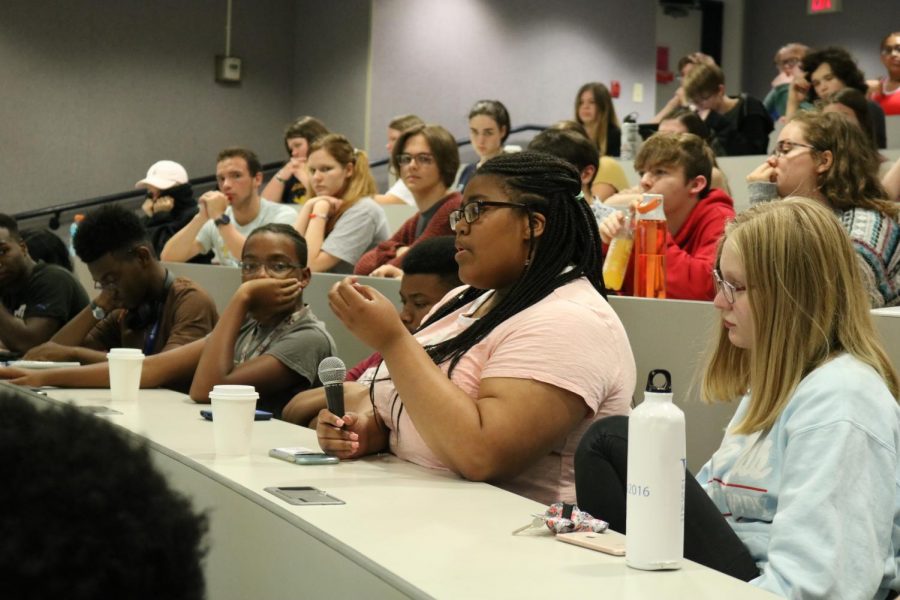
(248,397)
(125,353)
(232,388)
(233,392)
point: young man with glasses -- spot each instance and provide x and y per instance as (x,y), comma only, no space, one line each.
(266,337)
(787,60)
(427,159)
(139,305)
(36,298)
(739,125)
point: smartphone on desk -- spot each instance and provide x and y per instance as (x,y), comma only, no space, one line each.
(303,456)
(609,542)
(261,415)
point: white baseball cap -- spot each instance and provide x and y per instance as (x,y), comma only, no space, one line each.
(163,175)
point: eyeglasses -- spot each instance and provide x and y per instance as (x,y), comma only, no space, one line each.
(788,62)
(784,147)
(472,210)
(106,285)
(888,50)
(422,159)
(275,269)
(727,288)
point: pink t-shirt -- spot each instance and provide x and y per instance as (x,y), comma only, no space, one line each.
(571,339)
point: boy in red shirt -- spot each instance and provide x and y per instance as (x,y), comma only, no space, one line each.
(678,166)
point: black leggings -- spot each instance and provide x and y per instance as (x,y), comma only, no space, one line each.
(600,467)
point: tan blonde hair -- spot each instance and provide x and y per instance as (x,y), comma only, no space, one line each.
(606,113)
(703,79)
(404,122)
(678,150)
(361,183)
(852,180)
(808,303)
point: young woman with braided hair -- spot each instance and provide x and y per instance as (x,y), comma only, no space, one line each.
(489,387)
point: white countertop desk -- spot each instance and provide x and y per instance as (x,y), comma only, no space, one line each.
(404,531)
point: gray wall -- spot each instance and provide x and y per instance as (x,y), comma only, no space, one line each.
(769,24)
(95,92)
(437,58)
(331,65)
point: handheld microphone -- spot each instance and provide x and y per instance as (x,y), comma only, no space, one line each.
(331,373)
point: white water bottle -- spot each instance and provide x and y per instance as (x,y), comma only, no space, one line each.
(654,519)
(631,138)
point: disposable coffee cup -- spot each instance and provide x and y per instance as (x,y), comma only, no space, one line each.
(233,408)
(125,373)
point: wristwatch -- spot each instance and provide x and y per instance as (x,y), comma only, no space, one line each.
(97,311)
(223,220)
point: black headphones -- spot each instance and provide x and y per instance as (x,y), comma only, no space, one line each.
(146,314)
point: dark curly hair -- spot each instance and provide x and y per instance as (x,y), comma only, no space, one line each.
(842,65)
(286,230)
(109,229)
(434,256)
(45,245)
(84,513)
(11,225)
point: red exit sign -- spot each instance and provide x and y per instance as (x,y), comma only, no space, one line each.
(818,7)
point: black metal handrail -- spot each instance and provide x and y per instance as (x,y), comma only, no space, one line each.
(54,212)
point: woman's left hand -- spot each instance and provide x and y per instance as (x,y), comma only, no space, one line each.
(368,315)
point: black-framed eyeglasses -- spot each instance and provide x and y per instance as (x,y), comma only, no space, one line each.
(472,210)
(727,288)
(422,159)
(106,285)
(275,269)
(888,50)
(784,147)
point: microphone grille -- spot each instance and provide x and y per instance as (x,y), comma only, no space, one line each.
(332,370)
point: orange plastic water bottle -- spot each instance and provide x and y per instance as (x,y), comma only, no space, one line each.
(650,248)
(616,262)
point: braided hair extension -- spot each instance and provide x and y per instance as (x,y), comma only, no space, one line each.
(550,186)
(568,249)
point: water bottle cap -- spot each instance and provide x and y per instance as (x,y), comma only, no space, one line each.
(665,388)
(649,202)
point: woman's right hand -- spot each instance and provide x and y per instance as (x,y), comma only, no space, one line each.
(344,437)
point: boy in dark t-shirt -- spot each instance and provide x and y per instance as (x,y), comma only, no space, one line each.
(140,305)
(739,125)
(36,298)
